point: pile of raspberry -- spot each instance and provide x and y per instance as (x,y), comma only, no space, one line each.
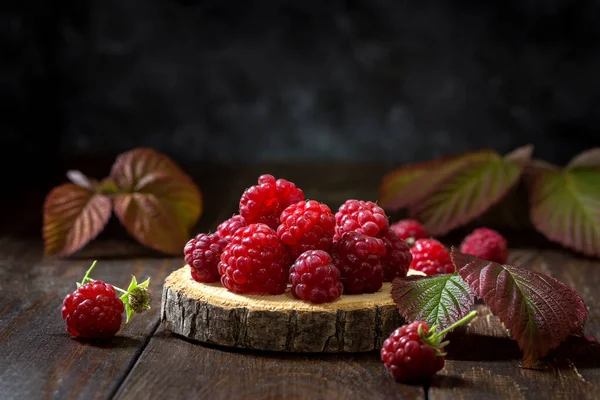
(279,239)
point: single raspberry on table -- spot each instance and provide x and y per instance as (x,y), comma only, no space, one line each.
(358,257)
(227,228)
(431,257)
(314,278)
(486,244)
(414,352)
(397,256)
(409,230)
(255,261)
(263,203)
(360,216)
(202,254)
(94,311)
(306,225)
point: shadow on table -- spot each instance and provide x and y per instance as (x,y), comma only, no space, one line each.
(117,342)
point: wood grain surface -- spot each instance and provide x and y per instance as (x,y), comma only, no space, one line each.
(209,313)
(40,361)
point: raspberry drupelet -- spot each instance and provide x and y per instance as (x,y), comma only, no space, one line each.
(314,278)
(263,203)
(306,225)
(255,261)
(431,257)
(360,216)
(358,258)
(202,254)
(227,228)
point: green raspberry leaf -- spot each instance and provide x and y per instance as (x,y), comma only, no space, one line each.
(470,190)
(439,300)
(565,204)
(539,311)
(405,186)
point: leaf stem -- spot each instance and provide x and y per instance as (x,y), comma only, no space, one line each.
(89,271)
(458,323)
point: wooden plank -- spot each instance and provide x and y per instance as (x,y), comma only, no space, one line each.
(485,364)
(171,367)
(39,358)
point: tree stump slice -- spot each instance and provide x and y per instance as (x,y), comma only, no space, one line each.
(209,313)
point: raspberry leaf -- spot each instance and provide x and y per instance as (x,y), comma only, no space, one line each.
(539,311)
(470,190)
(409,185)
(158,203)
(565,204)
(73,216)
(439,300)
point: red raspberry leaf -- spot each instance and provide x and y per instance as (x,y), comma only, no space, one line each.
(73,215)
(438,300)
(539,311)
(411,184)
(470,190)
(158,203)
(565,205)
(588,158)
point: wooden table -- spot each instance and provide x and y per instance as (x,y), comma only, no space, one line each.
(38,359)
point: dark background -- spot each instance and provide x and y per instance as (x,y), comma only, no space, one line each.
(233,81)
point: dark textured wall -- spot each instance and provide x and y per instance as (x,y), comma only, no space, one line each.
(304,80)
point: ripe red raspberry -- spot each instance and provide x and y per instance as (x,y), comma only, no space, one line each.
(486,244)
(409,355)
(202,254)
(397,256)
(255,261)
(228,227)
(365,217)
(264,202)
(358,258)
(314,278)
(431,257)
(93,311)
(409,230)
(306,225)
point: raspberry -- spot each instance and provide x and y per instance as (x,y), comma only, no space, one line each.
(409,356)
(414,352)
(431,257)
(397,256)
(255,261)
(358,258)
(228,227)
(93,311)
(202,254)
(409,230)
(264,202)
(487,244)
(365,217)
(314,278)
(306,225)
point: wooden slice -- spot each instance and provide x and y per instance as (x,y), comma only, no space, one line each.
(210,313)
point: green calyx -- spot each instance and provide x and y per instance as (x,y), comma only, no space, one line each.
(434,339)
(136,298)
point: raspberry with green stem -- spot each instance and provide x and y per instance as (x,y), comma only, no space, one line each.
(136,298)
